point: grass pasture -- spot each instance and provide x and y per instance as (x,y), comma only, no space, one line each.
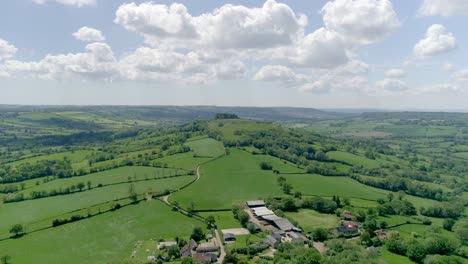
(310,219)
(118,175)
(206,147)
(46,209)
(317,185)
(102,238)
(232,179)
(353,159)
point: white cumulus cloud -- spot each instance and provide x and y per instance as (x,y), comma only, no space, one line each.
(443,8)
(279,73)
(395,73)
(391,85)
(97,62)
(437,40)
(88,34)
(7,50)
(78,3)
(362,21)
(228,27)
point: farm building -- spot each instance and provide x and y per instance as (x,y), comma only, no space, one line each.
(229,237)
(347,216)
(284,224)
(271,241)
(256,203)
(205,258)
(348,227)
(187,249)
(261,211)
(162,245)
(207,247)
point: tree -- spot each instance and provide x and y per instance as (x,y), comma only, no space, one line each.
(288,204)
(197,234)
(80,186)
(17,230)
(395,244)
(89,185)
(243,217)
(132,193)
(173,251)
(5,259)
(287,188)
(415,251)
(383,224)
(448,224)
(319,234)
(210,221)
(265,165)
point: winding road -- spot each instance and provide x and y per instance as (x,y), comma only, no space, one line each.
(165,199)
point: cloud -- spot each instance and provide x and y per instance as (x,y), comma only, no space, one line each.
(391,85)
(461,76)
(321,49)
(446,88)
(88,34)
(97,62)
(443,8)
(78,3)
(7,50)
(448,67)
(437,40)
(228,27)
(350,77)
(363,21)
(395,73)
(279,73)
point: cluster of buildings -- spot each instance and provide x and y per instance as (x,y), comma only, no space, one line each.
(281,229)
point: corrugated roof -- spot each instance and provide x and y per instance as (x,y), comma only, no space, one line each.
(284,224)
(271,217)
(255,203)
(260,211)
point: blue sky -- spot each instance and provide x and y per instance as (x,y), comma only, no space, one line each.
(395,54)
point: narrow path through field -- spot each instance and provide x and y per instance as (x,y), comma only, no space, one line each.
(219,242)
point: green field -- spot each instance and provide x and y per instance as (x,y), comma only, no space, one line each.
(183,160)
(232,179)
(102,238)
(224,220)
(353,159)
(47,209)
(317,185)
(310,219)
(119,175)
(206,147)
(392,258)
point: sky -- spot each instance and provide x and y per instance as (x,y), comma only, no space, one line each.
(384,54)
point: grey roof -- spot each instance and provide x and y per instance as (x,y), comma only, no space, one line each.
(261,211)
(271,217)
(228,235)
(255,203)
(284,224)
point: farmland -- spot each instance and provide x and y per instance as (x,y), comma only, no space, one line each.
(130,179)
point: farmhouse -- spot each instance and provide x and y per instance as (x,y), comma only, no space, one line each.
(205,258)
(256,203)
(186,251)
(348,227)
(207,247)
(347,216)
(284,224)
(271,241)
